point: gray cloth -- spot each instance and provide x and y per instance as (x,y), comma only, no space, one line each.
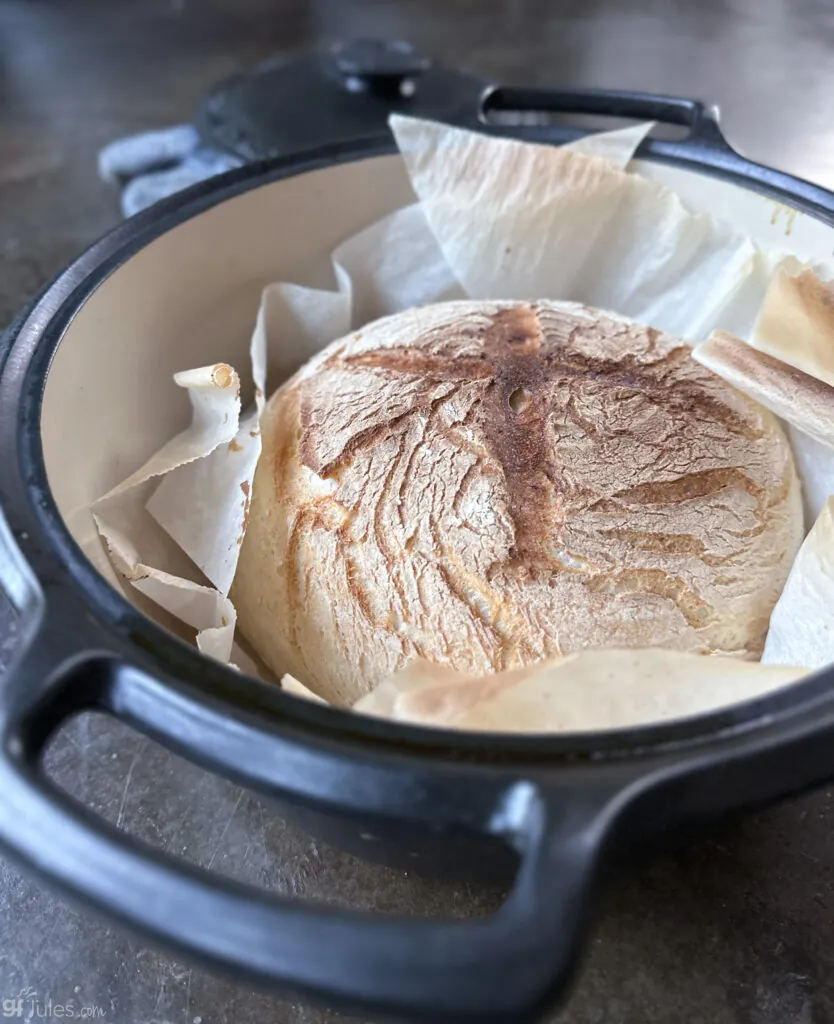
(153,165)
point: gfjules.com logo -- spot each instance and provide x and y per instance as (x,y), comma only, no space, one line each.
(27,1005)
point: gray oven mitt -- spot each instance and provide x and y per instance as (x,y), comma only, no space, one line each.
(152,165)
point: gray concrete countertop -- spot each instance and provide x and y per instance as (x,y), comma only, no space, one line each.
(735,928)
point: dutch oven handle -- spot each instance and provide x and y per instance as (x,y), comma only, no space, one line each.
(702,121)
(704,147)
(505,968)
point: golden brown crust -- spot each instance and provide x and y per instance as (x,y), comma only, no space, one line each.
(488,484)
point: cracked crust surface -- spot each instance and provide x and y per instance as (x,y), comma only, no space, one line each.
(486,484)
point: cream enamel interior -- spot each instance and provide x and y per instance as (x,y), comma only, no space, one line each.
(191,296)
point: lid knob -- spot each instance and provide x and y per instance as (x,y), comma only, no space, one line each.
(386,67)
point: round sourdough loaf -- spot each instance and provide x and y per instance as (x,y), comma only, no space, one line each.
(485,484)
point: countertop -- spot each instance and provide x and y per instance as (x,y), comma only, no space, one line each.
(735,928)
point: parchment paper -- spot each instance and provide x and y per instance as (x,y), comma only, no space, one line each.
(137,551)
(802,624)
(592,690)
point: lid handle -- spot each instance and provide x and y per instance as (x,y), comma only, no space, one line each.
(385,67)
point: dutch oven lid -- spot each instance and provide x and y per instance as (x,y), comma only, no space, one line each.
(291,105)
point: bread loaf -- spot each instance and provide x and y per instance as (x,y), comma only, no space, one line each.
(486,484)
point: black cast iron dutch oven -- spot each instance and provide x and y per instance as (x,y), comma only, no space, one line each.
(79,372)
